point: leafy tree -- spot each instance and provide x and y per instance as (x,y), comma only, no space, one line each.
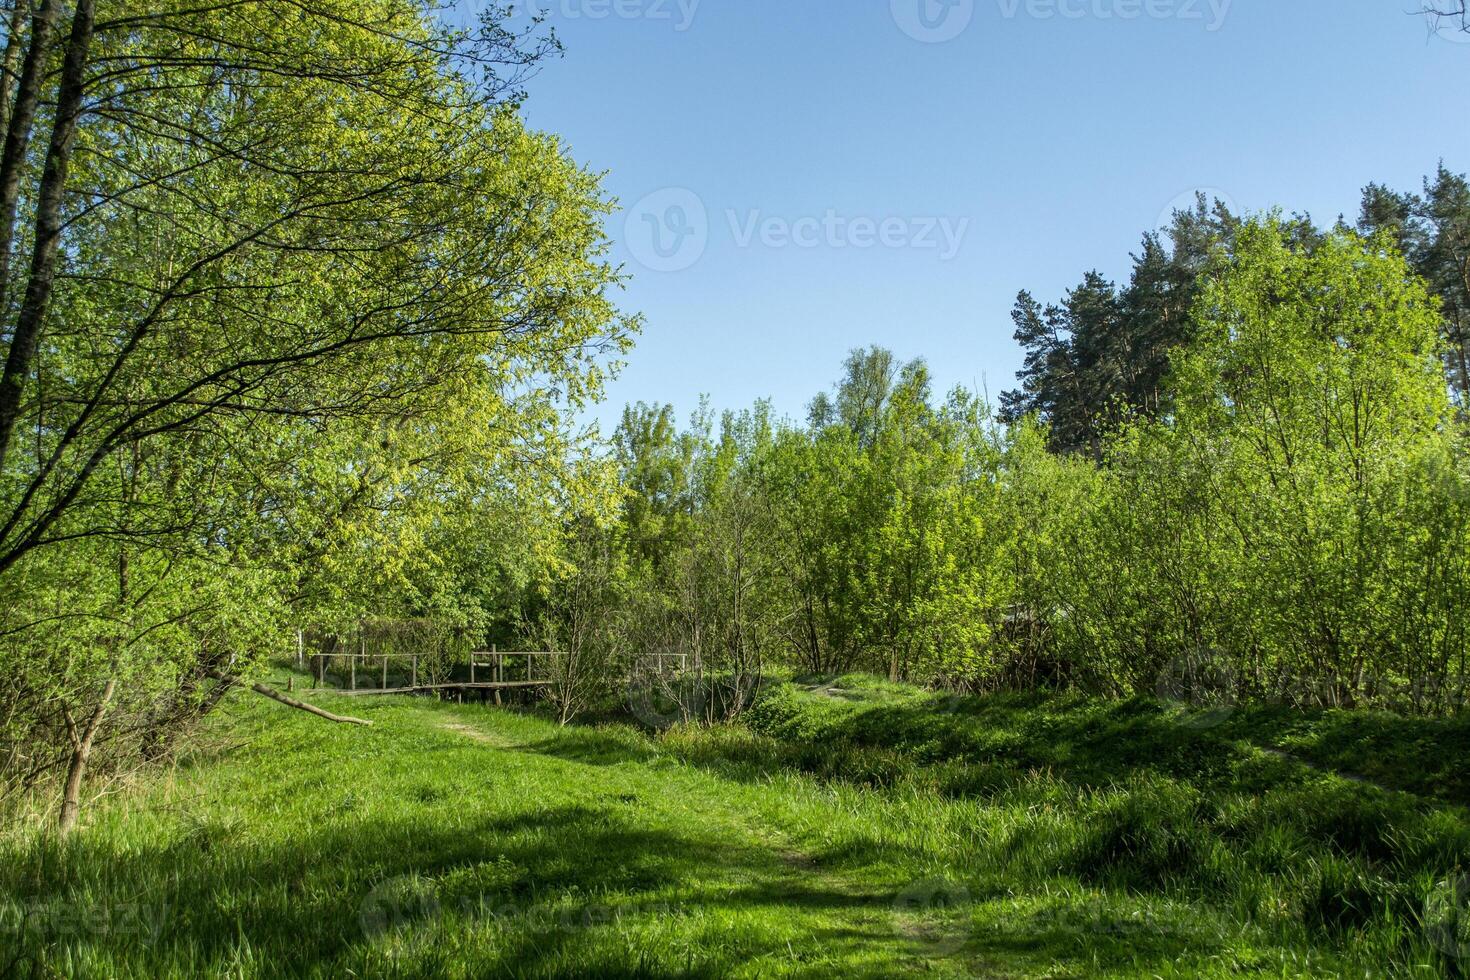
(656,466)
(811,479)
(1432,230)
(290,297)
(862,396)
(580,621)
(1102,353)
(1271,520)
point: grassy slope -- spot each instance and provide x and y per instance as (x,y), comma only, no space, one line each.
(995,838)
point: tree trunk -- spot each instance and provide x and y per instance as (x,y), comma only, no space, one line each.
(71,798)
(264,691)
(27,335)
(18,125)
(14,42)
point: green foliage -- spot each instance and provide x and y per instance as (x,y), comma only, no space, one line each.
(1287,523)
(303,349)
(1103,353)
(1432,231)
(1296,527)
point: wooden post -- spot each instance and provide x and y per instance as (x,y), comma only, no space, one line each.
(472,666)
(300,650)
(415,669)
(385,672)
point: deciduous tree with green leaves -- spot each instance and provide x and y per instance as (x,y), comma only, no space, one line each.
(290,296)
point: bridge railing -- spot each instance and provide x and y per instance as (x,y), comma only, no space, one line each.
(393,652)
(389,663)
(512,666)
(372,665)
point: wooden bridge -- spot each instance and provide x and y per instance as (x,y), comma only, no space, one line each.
(416,673)
(486,671)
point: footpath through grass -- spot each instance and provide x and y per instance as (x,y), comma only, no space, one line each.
(854,829)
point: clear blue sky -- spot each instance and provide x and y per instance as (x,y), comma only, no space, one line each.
(1050,133)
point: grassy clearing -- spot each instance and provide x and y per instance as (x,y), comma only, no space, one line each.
(854,828)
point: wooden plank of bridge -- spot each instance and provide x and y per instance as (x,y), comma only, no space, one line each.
(534,676)
(456,688)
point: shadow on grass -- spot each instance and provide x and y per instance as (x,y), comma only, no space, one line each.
(420,884)
(533,887)
(456,858)
(876,737)
(570,891)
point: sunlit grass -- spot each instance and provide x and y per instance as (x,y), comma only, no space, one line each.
(867,834)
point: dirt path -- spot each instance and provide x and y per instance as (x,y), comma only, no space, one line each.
(1351,777)
(479,735)
(918,927)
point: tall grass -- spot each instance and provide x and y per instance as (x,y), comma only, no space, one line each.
(854,829)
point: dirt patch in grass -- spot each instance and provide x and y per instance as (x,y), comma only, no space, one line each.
(478,735)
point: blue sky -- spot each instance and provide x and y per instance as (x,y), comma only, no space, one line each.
(825,174)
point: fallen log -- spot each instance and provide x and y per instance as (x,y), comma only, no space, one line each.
(290,702)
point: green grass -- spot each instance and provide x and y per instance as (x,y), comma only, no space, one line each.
(858,828)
